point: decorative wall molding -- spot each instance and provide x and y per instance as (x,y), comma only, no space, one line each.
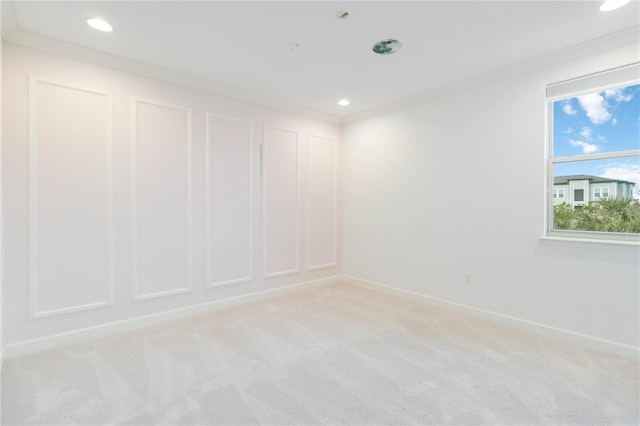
(332,264)
(56,341)
(265,168)
(12,33)
(92,333)
(32,147)
(135,102)
(208,174)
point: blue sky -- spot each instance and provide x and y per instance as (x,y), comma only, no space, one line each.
(598,122)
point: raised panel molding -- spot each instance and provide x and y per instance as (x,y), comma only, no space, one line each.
(265,197)
(74,337)
(310,211)
(209,201)
(137,296)
(34,312)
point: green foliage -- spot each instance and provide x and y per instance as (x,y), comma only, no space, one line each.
(606,215)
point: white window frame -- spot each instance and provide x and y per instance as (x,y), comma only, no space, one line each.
(599,192)
(559,192)
(623,76)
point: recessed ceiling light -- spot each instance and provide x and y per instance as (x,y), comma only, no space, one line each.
(612,5)
(387,47)
(343,102)
(99,25)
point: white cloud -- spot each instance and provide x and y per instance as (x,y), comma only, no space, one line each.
(595,106)
(569,110)
(586,132)
(587,148)
(622,171)
(618,95)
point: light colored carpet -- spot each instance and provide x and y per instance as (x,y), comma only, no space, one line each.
(330,355)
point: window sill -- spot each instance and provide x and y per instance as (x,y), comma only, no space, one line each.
(586,241)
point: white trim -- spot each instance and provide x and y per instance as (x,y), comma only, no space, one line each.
(243,280)
(13,34)
(265,166)
(282,273)
(569,336)
(32,163)
(208,198)
(558,191)
(157,294)
(598,156)
(112,211)
(334,262)
(322,266)
(551,161)
(585,49)
(69,310)
(566,236)
(101,331)
(548,181)
(135,101)
(105,330)
(599,191)
(595,82)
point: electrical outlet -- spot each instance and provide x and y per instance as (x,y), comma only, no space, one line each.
(292,261)
(467,278)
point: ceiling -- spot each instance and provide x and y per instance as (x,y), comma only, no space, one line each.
(300,54)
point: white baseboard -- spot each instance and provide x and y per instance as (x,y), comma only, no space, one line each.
(591,342)
(92,333)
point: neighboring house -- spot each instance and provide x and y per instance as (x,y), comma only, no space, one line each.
(577,190)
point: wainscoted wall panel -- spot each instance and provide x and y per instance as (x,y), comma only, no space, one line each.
(229,200)
(322,202)
(161,199)
(115,197)
(281,202)
(70,198)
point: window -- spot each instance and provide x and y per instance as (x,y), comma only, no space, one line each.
(578,195)
(601,192)
(594,151)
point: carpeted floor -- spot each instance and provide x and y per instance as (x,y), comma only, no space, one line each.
(330,355)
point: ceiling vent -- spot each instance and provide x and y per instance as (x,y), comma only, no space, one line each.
(387,47)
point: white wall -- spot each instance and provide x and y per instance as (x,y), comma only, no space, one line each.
(126,196)
(455,186)
(431,192)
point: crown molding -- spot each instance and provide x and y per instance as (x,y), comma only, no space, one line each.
(11,32)
(603,44)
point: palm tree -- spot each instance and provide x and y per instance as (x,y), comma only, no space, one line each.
(604,215)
